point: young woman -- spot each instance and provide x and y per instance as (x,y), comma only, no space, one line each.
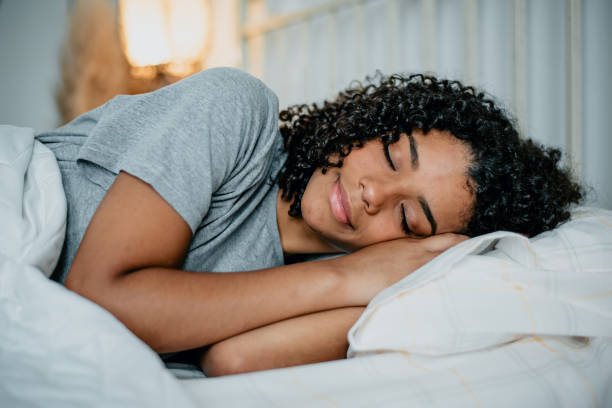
(169,188)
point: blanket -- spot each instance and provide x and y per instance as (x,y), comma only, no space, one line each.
(58,349)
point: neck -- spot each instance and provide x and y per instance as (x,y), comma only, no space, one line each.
(295,235)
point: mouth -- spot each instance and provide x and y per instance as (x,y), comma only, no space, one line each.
(339,204)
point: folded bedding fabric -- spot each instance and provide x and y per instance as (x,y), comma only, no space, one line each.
(32,201)
(58,349)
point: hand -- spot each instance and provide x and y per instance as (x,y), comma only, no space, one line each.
(373,268)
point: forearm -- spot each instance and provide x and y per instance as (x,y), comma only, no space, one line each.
(306,339)
(175,310)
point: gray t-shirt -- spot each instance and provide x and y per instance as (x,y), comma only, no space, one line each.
(209,145)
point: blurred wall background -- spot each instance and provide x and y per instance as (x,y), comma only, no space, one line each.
(31,34)
(547,61)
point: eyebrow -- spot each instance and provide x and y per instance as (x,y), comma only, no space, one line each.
(414,153)
(428,214)
(414,161)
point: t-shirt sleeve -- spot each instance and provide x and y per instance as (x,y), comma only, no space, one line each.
(212,133)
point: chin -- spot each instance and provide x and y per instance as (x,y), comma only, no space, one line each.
(340,245)
(324,235)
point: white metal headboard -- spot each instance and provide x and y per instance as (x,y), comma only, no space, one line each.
(267,34)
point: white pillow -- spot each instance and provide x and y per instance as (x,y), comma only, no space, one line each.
(496,288)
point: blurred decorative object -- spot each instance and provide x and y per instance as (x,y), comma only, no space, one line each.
(165,37)
(140,47)
(93,67)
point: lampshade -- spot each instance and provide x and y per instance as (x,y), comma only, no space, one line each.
(173,34)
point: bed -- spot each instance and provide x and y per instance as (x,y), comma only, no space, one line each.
(499,320)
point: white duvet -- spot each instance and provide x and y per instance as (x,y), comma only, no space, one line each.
(57,349)
(496,321)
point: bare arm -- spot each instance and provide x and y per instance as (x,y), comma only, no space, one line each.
(127,262)
(305,339)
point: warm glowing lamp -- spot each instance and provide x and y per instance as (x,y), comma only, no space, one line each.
(165,36)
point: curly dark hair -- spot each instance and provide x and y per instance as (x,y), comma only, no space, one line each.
(520,185)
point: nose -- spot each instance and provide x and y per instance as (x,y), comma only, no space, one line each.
(375,194)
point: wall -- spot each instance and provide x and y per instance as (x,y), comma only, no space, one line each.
(31,32)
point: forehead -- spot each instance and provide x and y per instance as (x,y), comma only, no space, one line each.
(444,162)
(440,144)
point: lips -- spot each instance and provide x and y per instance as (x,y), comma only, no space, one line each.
(339,203)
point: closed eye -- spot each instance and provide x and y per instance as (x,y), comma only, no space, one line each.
(388,155)
(405,226)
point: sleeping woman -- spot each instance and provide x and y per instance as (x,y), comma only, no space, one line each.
(170,191)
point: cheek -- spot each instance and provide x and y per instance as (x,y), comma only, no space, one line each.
(456,206)
(311,215)
(379,230)
(312,201)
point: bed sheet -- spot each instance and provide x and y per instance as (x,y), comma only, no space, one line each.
(538,372)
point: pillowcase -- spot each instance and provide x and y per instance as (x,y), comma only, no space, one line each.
(497,288)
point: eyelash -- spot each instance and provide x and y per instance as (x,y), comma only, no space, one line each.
(388,155)
(405,226)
